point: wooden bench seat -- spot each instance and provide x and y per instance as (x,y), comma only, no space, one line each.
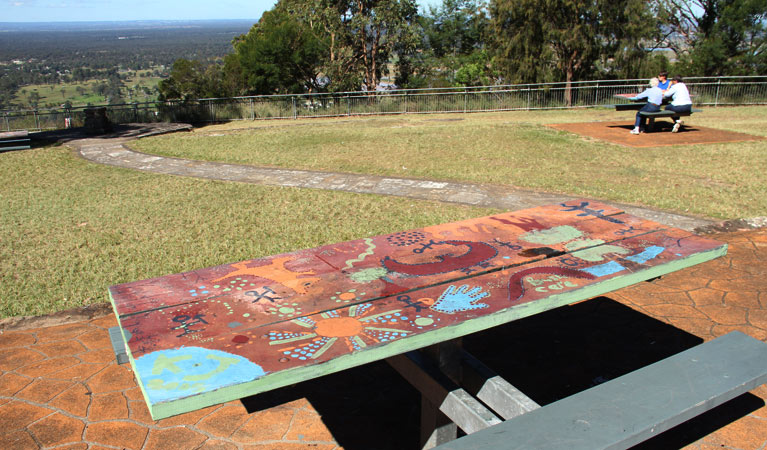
(630,409)
(14,140)
(665,113)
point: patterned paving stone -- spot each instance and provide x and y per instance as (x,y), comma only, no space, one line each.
(78,446)
(117,434)
(707,296)
(724,314)
(110,406)
(48,366)
(11,359)
(223,421)
(268,425)
(61,332)
(11,383)
(74,400)
(307,426)
(213,444)
(43,390)
(61,348)
(748,432)
(192,417)
(17,440)
(139,412)
(18,415)
(11,340)
(95,340)
(79,372)
(100,356)
(113,378)
(57,429)
(177,438)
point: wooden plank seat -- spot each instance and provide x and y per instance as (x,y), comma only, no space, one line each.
(630,409)
(222,333)
(14,140)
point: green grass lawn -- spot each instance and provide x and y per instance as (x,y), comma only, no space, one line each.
(70,228)
(512,148)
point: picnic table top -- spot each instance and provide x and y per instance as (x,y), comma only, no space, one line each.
(213,335)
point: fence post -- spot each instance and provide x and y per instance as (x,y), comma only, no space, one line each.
(596,96)
(7,122)
(252,110)
(348,105)
(295,115)
(528,98)
(37,120)
(716,99)
(465,98)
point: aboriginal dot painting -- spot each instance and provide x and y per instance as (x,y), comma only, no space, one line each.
(212,335)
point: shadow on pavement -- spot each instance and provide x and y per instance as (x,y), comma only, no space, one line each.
(548,357)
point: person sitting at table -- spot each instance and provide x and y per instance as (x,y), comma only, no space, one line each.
(663,81)
(654,98)
(680,101)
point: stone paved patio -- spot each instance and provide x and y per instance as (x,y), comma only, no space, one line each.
(60,386)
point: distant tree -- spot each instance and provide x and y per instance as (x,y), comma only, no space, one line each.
(540,40)
(186,81)
(455,43)
(361,37)
(279,54)
(456,27)
(717,37)
(378,28)
(33,98)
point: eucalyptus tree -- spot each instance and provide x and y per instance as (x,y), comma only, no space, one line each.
(544,40)
(716,37)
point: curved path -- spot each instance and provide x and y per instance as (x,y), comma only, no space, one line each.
(112,150)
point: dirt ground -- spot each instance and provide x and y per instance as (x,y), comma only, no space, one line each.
(618,133)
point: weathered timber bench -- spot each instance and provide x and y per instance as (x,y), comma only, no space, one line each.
(630,409)
(661,114)
(14,140)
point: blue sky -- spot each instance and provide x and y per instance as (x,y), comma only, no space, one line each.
(93,10)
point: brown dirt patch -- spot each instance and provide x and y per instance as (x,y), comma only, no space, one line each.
(618,133)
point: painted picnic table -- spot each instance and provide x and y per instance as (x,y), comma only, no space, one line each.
(217,334)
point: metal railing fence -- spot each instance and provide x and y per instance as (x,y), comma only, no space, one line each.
(706,91)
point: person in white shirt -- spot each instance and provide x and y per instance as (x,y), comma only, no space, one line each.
(654,98)
(680,100)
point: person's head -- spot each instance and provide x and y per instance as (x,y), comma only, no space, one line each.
(654,82)
(663,76)
(676,79)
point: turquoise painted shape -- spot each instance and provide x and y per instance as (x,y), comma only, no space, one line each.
(604,270)
(648,254)
(463,298)
(169,375)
